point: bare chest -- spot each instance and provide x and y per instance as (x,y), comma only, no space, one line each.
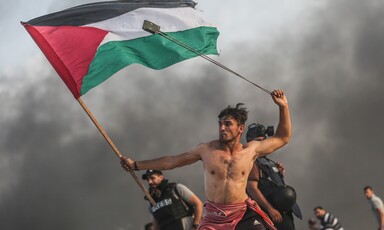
(223,165)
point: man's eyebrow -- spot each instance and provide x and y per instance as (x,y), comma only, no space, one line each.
(225,121)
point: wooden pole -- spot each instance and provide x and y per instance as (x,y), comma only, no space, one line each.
(115,149)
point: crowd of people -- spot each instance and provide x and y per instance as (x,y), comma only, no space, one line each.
(329,221)
(244,188)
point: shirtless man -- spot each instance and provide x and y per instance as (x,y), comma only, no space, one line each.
(227,164)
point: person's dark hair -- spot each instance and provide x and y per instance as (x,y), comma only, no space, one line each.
(239,113)
(368,187)
(318,207)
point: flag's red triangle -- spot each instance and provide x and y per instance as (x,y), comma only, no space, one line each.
(70,50)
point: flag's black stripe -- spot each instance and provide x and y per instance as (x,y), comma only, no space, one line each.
(94,12)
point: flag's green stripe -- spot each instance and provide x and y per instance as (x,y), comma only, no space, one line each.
(154,51)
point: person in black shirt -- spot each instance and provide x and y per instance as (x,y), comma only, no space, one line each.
(267,187)
(176,208)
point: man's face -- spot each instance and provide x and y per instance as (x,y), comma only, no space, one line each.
(229,129)
(368,193)
(154,180)
(319,213)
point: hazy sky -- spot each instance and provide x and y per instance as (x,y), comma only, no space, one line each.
(57,171)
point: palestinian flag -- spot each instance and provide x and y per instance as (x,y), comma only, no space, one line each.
(87,44)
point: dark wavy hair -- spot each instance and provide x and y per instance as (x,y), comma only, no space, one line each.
(239,113)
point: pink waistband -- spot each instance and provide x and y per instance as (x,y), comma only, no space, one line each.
(220,216)
(227,216)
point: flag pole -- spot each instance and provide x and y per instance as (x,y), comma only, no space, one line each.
(155,29)
(90,115)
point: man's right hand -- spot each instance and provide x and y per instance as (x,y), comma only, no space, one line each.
(279,97)
(281,168)
(275,215)
(126,163)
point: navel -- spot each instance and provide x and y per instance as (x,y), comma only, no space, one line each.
(212,172)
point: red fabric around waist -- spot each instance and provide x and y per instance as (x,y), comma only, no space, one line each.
(227,216)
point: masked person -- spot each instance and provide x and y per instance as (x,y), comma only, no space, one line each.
(267,187)
(227,163)
(176,208)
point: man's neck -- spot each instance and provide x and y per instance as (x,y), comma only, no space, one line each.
(232,146)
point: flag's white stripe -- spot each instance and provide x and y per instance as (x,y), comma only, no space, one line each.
(129,26)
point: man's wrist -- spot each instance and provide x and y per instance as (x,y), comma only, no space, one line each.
(195,226)
(135,166)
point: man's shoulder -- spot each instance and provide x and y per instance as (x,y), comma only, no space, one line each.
(207,145)
(375,200)
(212,144)
(251,146)
(180,186)
(375,197)
(183,191)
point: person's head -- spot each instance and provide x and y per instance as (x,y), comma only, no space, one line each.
(231,122)
(319,211)
(368,192)
(153,177)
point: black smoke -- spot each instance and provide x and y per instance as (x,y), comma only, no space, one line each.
(59,173)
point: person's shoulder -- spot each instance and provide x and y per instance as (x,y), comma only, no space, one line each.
(251,144)
(180,186)
(183,190)
(203,144)
(376,200)
(214,144)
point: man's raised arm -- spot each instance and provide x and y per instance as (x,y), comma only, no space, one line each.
(283,131)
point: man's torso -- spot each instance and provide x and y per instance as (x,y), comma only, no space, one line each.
(376,203)
(226,174)
(328,221)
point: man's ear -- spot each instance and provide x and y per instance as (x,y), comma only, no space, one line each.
(241,128)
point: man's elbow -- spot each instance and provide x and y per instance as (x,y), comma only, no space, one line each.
(284,136)
(196,203)
(199,205)
(285,139)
